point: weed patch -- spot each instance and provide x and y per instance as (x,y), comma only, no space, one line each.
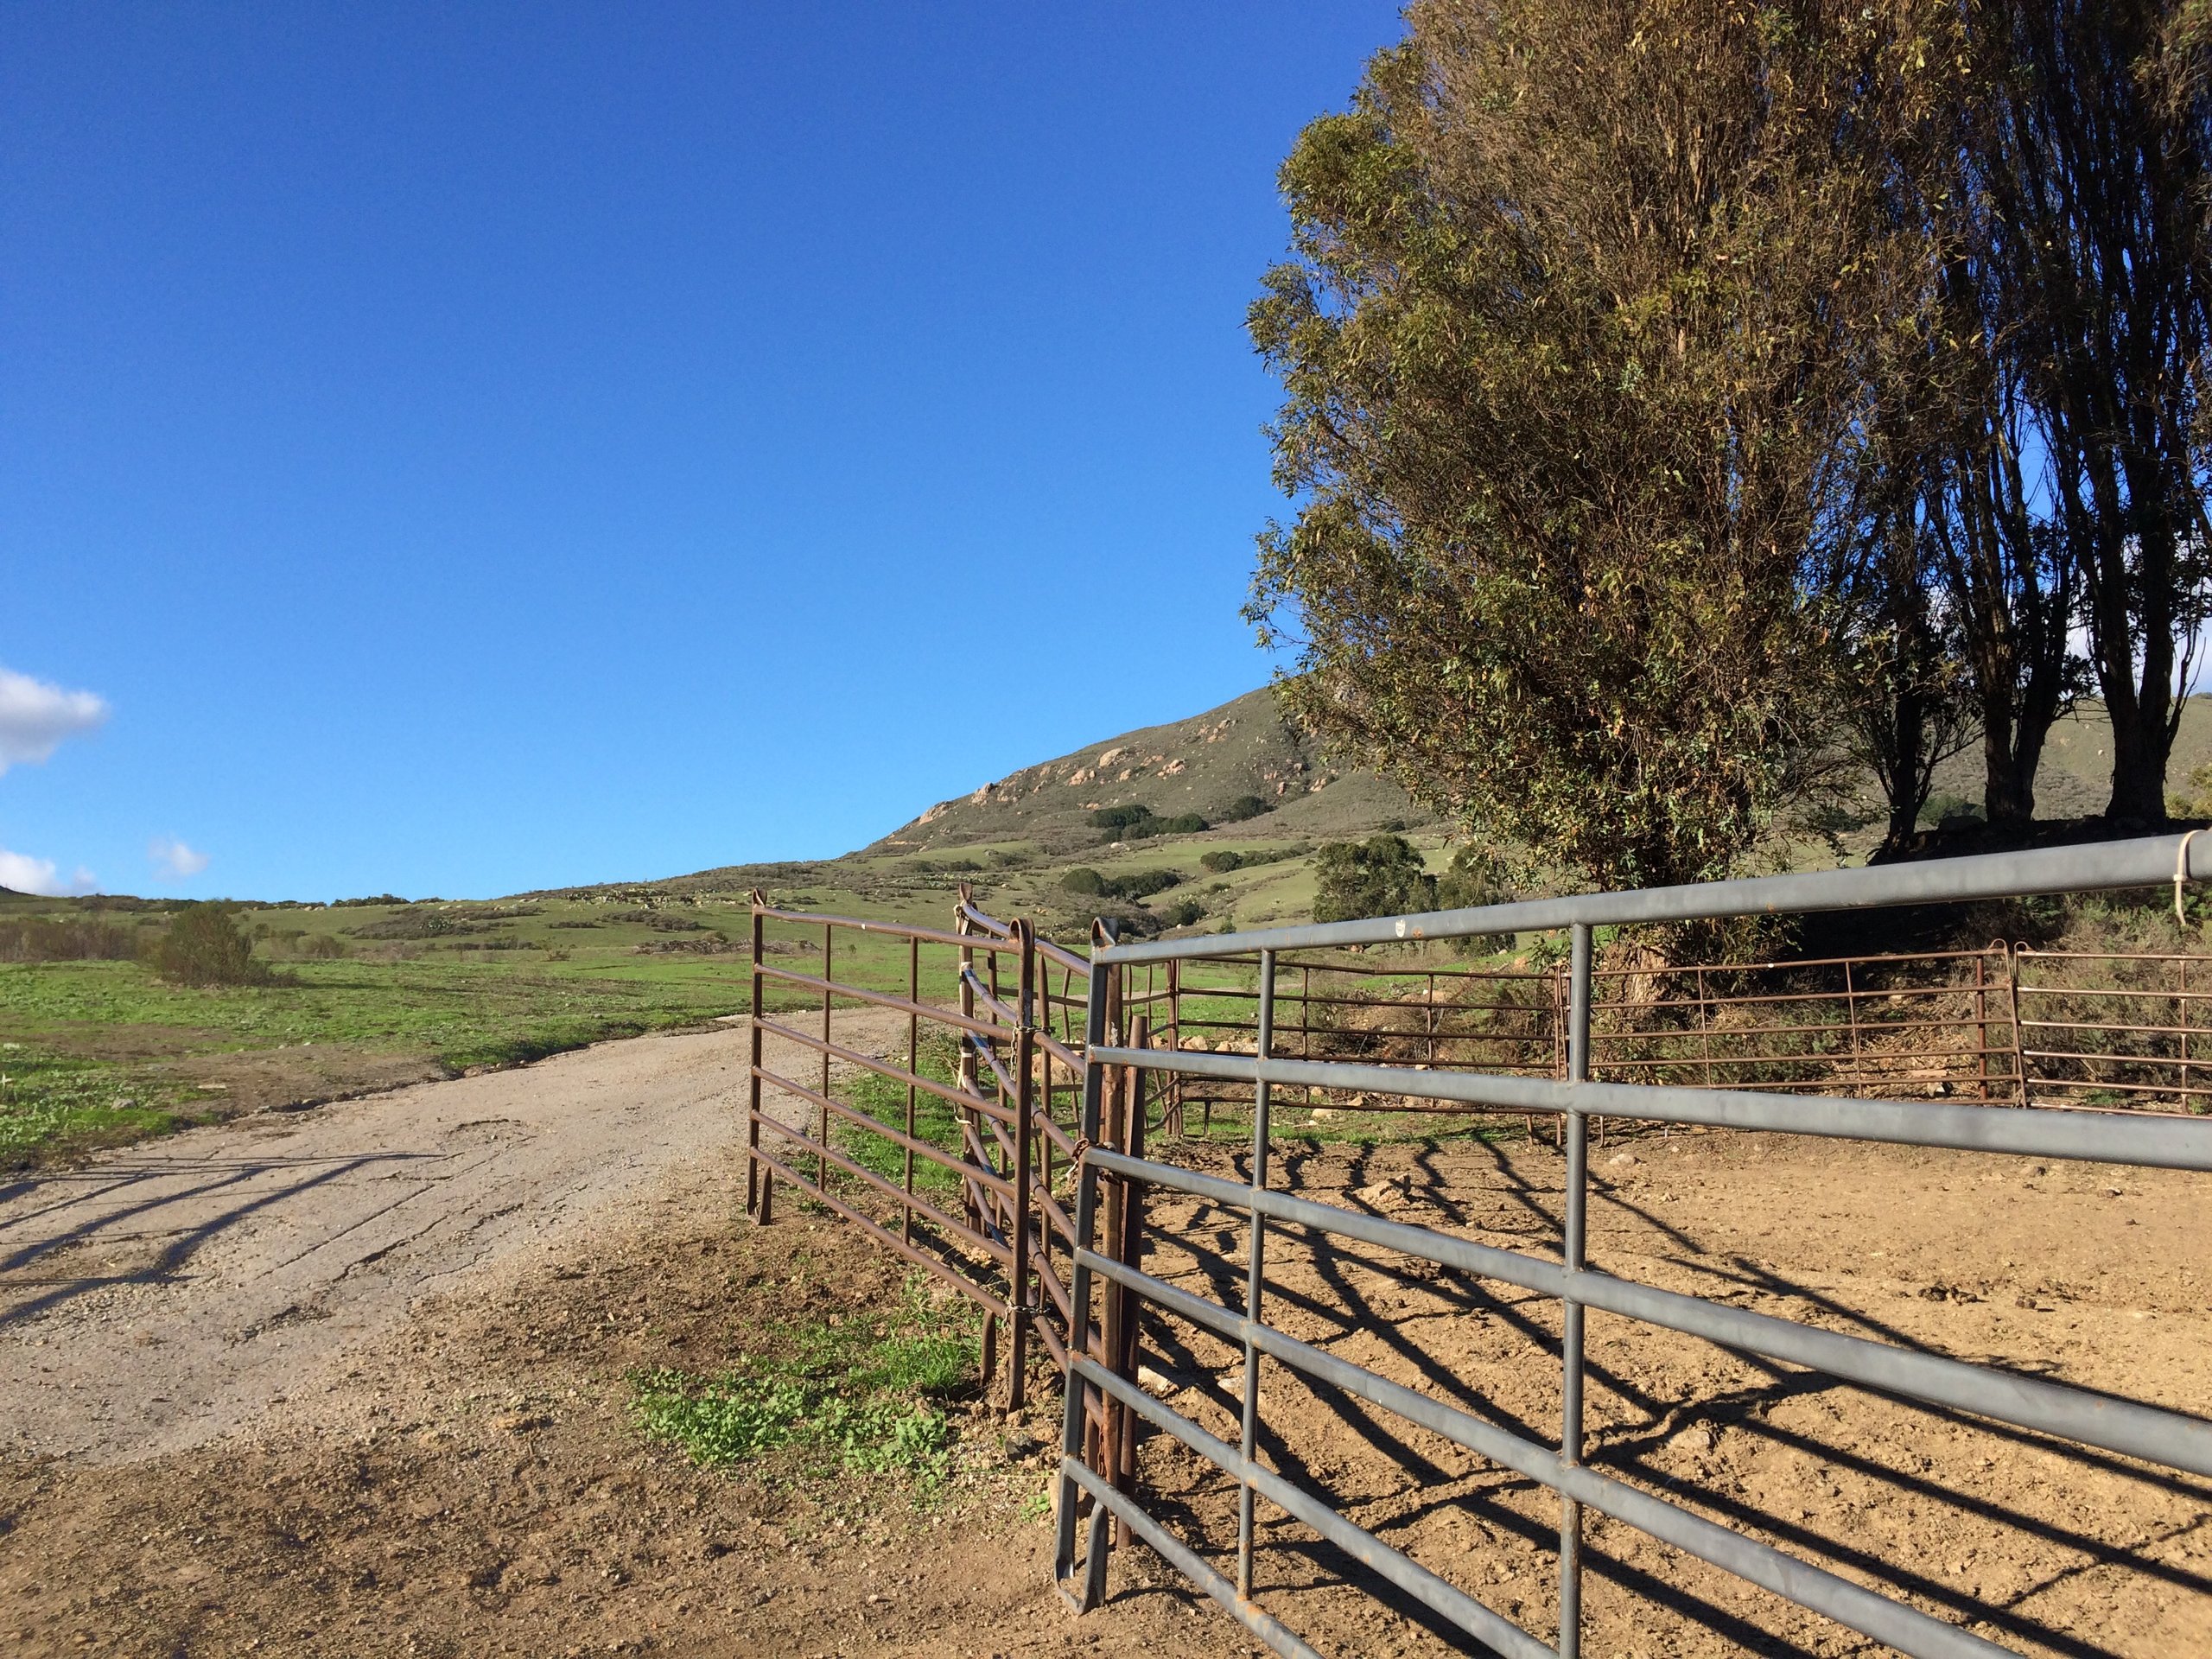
(857,1396)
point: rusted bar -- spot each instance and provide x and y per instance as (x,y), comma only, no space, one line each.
(1123,1363)
(890,1240)
(992,1248)
(828,937)
(880,999)
(757,1202)
(1017,1305)
(913,1068)
(898,930)
(944,1091)
(989,924)
(853,1114)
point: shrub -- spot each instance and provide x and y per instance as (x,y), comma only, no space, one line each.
(203,946)
(1950,811)
(2197,802)
(1183,823)
(1142,884)
(1119,817)
(1380,876)
(1221,860)
(1186,912)
(1243,807)
(1138,884)
(1474,878)
(37,940)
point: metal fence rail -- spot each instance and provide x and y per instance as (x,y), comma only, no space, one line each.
(1103,1401)
(998,1250)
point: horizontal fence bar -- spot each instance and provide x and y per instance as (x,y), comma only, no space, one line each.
(2168,1438)
(944,1091)
(872,1125)
(987,1246)
(883,1236)
(1432,1591)
(2160,1141)
(2148,861)
(1188,1562)
(890,929)
(1904,1628)
(881,999)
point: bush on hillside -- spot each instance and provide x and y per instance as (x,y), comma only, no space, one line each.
(203,946)
(40,940)
(1221,860)
(1119,817)
(1139,822)
(1243,807)
(1137,884)
(1380,876)
(1473,879)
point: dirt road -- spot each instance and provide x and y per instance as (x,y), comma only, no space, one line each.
(166,1294)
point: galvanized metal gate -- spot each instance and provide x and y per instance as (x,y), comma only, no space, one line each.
(1104,1400)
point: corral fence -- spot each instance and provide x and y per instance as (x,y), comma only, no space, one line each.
(1009,1146)
(2009,1023)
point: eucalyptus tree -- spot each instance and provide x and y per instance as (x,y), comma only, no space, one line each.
(1582,338)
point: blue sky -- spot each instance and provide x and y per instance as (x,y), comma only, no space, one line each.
(462,449)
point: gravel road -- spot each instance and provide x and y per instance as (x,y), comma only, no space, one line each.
(161,1296)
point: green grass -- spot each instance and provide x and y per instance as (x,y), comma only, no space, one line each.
(854,1396)
(88,1035)
(47,1097)
(935,1121)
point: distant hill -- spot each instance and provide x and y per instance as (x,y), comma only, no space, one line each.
(1202,766)
(1015,839)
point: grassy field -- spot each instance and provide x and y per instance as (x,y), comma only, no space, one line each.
(373,995)
(364,997)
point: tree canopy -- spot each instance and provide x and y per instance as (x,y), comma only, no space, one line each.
(1676,402)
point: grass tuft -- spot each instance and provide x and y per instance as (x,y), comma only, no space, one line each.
(861,1396)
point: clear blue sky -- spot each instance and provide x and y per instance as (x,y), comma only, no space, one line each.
(460,449)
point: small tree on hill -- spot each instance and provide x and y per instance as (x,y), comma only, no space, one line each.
(204,946)
(1381,876)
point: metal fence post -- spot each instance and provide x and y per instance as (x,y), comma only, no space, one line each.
(914,1068)
(758,1180)
(1076,1403)
(1256,1270)
(1573,1231)
(1024,1099)
(1122,1357)
(822,1113)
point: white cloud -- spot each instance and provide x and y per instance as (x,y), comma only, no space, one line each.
(24,874)
(173,859)
(34,717)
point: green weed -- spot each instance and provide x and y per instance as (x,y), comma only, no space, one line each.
(864,1396)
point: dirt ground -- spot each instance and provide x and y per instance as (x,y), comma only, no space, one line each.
(2090,1274)
(436,1457)
(157,1297)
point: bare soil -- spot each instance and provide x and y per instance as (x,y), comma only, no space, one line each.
(354,1382)
(2091,1275)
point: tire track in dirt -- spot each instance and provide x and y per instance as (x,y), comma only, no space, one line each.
(163,1295)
